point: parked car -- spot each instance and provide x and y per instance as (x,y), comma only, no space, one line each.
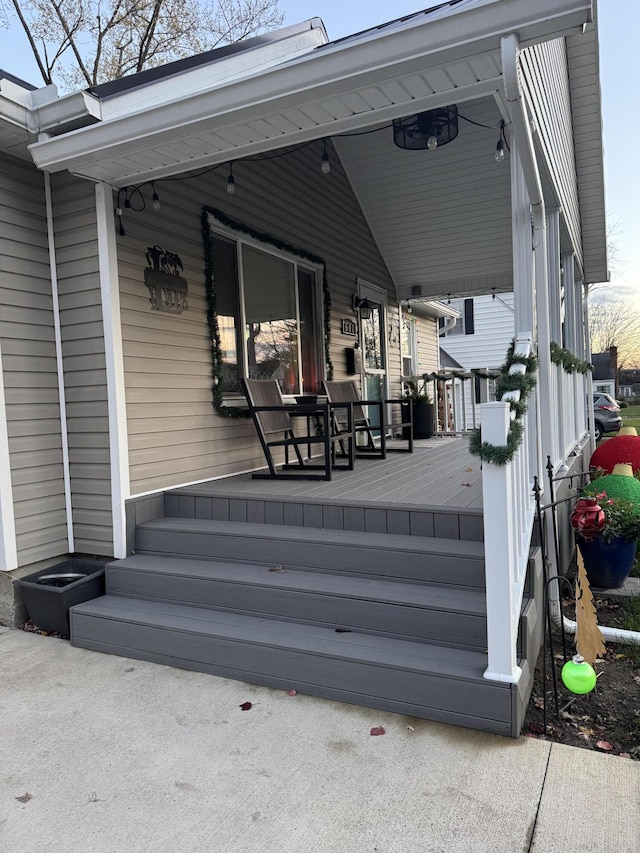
(606,415)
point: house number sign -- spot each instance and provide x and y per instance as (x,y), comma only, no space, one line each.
(167,288)
(349,328)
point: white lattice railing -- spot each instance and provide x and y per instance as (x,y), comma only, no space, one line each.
(508,522)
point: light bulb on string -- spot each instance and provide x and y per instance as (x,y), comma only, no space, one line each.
(326,164)
(155,198)
(499,155)
(432,143)
(231,184)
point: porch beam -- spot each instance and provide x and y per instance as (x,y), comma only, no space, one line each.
(521,245)
(110,294)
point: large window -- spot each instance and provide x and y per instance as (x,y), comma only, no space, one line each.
(465,323)
(268,311)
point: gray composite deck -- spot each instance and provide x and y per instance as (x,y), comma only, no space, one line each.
(439,473)
(367,589)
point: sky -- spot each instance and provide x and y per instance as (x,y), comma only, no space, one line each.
(619,24)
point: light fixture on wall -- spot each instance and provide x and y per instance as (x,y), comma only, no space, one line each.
(431,129)
(362,307)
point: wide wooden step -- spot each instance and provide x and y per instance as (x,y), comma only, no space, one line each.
(432,560)
(437,613)
(419,679)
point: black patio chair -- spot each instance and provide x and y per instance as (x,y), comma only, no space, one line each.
(273,421)
(347,391)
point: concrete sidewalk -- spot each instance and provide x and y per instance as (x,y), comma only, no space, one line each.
(120,755)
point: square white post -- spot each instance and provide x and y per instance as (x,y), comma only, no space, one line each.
(500,551)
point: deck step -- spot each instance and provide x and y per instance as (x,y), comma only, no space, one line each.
(420,679)
(437,613)
(432,560)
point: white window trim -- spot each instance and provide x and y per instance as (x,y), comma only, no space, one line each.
(413,343)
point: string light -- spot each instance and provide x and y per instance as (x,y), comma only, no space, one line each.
(326,165)
(154,198)
(231,184)
(500,145)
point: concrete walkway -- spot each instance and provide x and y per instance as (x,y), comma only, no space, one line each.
(123,756)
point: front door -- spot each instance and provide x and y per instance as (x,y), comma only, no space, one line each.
(374,352)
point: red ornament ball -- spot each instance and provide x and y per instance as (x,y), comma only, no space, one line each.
(623,449)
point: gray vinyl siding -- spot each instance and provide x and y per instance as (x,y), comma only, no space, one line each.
(175,436)
(546,82)
(74,211)
(428,345)
(29,366)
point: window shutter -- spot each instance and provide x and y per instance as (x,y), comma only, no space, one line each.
(468,316)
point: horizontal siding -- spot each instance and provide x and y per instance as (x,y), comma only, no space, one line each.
(83,350)
(493,331)
(546,83)
(176,436)
(29,365)
(428,344)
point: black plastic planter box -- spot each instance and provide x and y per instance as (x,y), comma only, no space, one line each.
(49,593)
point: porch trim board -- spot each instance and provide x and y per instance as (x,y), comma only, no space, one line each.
(8,546)
(114,360)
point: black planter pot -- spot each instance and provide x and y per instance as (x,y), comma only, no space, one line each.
(49,593)
(422,419)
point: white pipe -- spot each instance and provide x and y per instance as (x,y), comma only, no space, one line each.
(447,326)
(66,471)
(612,635)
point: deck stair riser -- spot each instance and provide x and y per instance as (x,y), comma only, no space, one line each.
(448,562)
(437,614)
(439,522)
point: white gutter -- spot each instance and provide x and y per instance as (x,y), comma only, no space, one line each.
(366,60)
(447,326)
(59,363)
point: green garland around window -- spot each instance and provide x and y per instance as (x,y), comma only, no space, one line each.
(212,315)
(522,382)
(567,360)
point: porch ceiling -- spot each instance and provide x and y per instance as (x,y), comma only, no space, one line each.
(449,54)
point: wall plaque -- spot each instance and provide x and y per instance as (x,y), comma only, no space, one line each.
(349,327)
(167,288)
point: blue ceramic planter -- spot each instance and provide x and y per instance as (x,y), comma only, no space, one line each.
(608,564)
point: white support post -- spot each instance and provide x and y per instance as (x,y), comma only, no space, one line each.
(500,552)
(521,242)
(570,316)
(546,401)
(8,548)
(118,443)
(555,318)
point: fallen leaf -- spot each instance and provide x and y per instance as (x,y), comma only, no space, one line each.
(468,470)
(636,678)
(377,730)
(465,484)
(279,568)
(410,728)
(538,701)
(24,798)
(246,706)
(605,745)
(624,755)
(620,657)
(343,630)
(292,692)
(130,669)
(534,727)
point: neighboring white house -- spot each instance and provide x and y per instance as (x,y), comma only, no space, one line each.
(170,233)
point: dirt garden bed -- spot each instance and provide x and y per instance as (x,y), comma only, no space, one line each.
(608,718)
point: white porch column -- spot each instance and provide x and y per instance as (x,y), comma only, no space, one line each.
(555,289)
(521,242)
(500,552)
(8,550)
(546,398)
(110,292)
(570,313)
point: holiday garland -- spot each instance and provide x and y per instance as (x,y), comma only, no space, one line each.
(506,382)
(567,360)
(212,314)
